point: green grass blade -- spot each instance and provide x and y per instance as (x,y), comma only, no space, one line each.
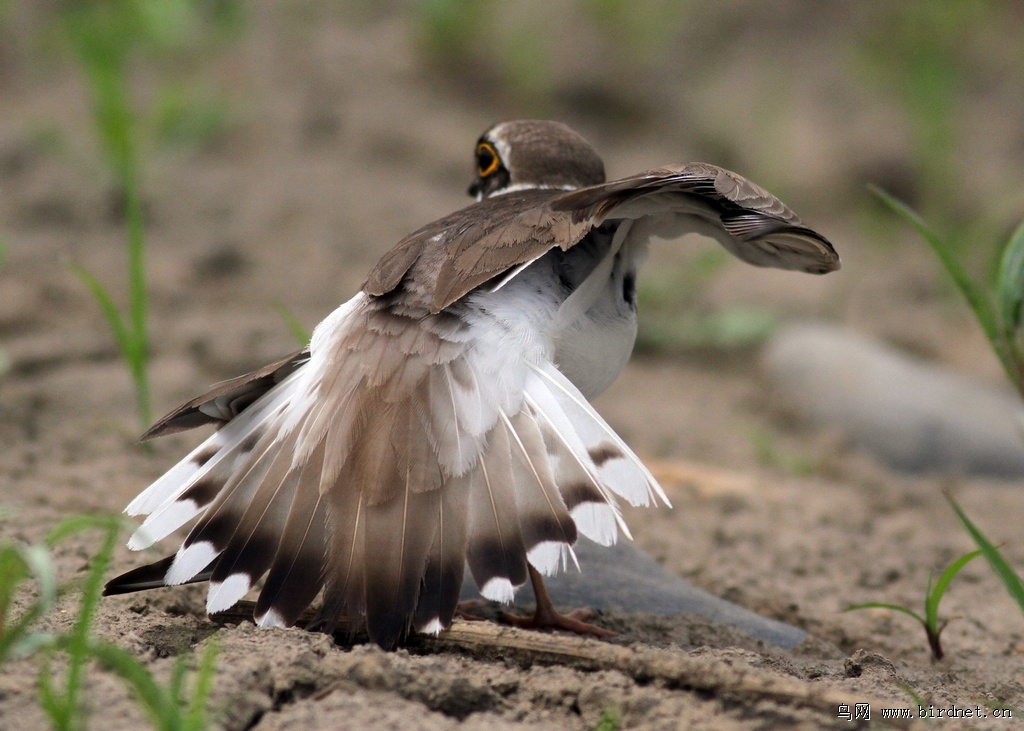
(17,565)
(1010,286)
(1011,580)
(164,713)
(196,719)
(882,605)
(934,595)
(132,340)
(164,704)
(26,642)
(176,684)
(40,564)
(48,696)
(64,707)
(610,720)
(16,639)
(1010,295)
(138,297)
(61,698)
(299,332)
(975,296)
(13,571)
(981,305)
(109,308)
(79,523)
(93,589)
(104,40)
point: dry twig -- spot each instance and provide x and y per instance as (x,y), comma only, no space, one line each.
(672,668)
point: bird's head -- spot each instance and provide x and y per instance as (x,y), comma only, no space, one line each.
(527,154)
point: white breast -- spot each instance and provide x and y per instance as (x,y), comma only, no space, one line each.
(589,330)
(593,351)
(592,347)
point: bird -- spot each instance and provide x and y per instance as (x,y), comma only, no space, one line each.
(440,419)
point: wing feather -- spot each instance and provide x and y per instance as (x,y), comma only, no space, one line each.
(227,399)
(297,571)
(491,240)
(496,552)
(446,561)
(548,530)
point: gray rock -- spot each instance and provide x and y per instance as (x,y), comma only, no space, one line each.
(624,578)
(913,415)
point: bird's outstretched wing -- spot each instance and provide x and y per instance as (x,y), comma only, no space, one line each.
(700,198)
(498,236)
(226,400)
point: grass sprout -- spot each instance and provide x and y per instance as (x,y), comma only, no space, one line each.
(63,705)
(933,626)
(18,566)
(1001,315)
(293,323)
(1010,578)
(170,706)
(103,39)
(106,39)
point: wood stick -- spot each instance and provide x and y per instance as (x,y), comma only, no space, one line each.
(675,669)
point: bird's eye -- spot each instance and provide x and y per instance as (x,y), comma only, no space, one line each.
(486,159)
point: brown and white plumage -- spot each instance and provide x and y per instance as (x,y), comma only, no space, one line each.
(439,418)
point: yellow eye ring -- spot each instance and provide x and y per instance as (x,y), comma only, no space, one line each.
(486,159)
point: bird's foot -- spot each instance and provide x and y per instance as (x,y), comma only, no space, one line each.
(468,610)
(550,618)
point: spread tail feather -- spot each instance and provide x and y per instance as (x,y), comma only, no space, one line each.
(376,479)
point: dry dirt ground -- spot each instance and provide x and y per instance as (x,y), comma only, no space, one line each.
(341,143)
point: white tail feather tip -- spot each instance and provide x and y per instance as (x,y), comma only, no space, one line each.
(225,594)
(189,562)
(433,627)
(141,539)
(498,589)
(163,522)
(270,619)
(598,522)
(549,557)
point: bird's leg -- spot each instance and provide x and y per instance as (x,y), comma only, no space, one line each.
(545,615)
